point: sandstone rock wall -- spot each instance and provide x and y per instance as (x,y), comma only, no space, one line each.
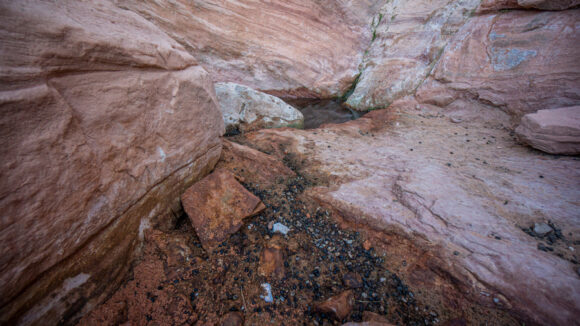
(408,40)
(105,121)
(297,47)
(519,61)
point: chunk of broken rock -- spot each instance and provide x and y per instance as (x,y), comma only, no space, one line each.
(272,262)
(217,205)
(541,229)
(552,131)
(232,318)
(338,306)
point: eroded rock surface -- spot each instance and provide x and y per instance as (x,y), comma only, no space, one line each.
(494,5)
(519,62)
(245,109)
(285,48)
(460,193)
(553,131)
(408,40)
(95,102)
(217,205)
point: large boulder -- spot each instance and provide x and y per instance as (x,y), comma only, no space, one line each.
(518,61)
(105,121)
(245,109)
(552,131)
(408,39)
(292,47)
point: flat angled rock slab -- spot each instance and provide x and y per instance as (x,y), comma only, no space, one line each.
(217,205)
(552,131)
(462,192)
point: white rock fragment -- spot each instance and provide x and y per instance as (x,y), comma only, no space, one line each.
(268,296)
(279,227)
(246,109)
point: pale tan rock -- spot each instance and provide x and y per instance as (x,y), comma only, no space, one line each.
(245,109)
(553,131)
(520,62)
(288,48)
(451,198)
(95,104)
(409,39)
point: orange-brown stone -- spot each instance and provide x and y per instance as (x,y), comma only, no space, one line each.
(217,205)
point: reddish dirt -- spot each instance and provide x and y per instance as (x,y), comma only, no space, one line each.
(176,282)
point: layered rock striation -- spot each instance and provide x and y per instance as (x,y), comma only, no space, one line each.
(105,121)
(290,48)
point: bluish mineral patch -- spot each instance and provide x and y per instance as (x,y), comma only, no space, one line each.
(504,59)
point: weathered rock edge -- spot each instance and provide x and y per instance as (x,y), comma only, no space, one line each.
(105,121)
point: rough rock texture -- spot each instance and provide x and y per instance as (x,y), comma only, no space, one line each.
(255,165)
(520,62)
(410,36)
(553,131)
(368,323)
(95,104)
(140,298)
(245,109)
(233,318)
(287,48)
(272,261)
(371,319)
(338,306)
(457,195)
(494,5)
(217,205)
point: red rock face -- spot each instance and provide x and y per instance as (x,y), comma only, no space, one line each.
(105,121)
(519,62)
(301,48)
(217,205)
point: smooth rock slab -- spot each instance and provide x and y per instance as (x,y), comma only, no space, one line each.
(292,47)
(217,205)
(246,109)
(450,189)
(552,131)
